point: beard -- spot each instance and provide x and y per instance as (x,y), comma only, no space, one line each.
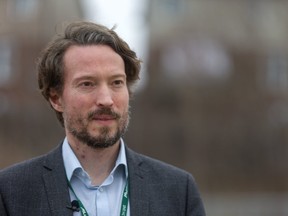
(106,136)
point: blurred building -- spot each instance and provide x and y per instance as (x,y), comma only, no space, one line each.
(26,126)
(216,102)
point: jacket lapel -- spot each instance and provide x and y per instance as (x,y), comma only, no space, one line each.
(138,187)
(54,177)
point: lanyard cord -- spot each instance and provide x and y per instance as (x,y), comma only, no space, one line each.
(124,203)
(81,206)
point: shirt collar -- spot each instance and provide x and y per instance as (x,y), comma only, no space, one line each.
(71,162)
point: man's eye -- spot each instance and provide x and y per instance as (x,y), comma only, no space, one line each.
(86,84)
(118,82)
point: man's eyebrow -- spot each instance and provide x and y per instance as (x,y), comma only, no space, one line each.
(90,77)
(87,77)
(119,76)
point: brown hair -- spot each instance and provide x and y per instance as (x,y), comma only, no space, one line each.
(50,63)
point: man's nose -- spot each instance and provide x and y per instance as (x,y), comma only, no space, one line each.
(104,96)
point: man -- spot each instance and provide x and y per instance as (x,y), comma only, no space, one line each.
(86,74)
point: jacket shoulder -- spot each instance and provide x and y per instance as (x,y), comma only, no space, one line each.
(30,167)
(174,190)
(155,166)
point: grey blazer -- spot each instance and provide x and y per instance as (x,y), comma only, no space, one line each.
(38,187)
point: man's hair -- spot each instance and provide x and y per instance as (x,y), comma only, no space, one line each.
(50,64)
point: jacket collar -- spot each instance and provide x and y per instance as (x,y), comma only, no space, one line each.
(55,182)
(138,189)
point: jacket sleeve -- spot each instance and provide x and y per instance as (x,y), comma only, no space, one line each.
(2,207)
(194,202)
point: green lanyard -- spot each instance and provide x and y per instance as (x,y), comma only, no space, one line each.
(124,203)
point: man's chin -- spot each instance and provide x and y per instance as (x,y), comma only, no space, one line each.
(101,144)
(97,141)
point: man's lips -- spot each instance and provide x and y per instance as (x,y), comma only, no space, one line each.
(104,117)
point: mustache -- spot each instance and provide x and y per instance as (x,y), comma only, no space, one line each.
(103,111)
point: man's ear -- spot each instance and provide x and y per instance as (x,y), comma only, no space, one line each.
(55,100)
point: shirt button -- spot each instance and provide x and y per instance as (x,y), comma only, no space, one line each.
(101,189)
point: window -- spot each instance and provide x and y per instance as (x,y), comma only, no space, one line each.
(5,61)
(21,10)
(276,78)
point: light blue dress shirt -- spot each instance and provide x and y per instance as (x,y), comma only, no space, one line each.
(98,200)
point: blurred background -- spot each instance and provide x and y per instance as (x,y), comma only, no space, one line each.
(213,95)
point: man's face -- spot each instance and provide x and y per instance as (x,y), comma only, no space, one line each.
(95,98)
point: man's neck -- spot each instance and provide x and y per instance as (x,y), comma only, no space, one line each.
(98,163)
